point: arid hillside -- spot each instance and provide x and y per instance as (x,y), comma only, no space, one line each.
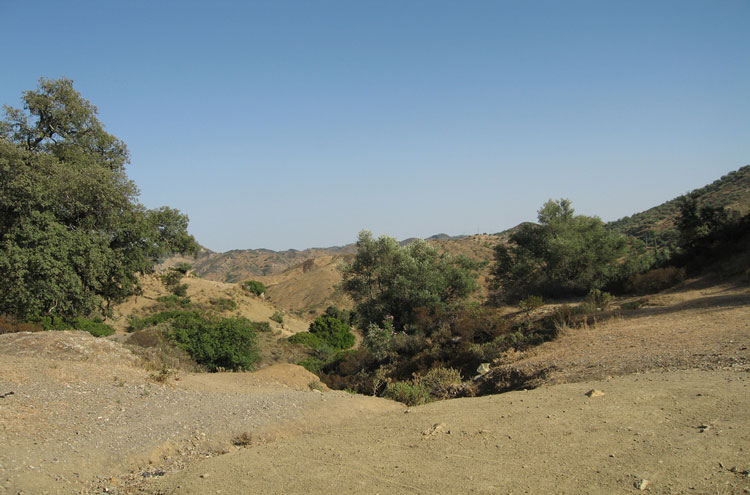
(305,282)
(652,399)
(207,294)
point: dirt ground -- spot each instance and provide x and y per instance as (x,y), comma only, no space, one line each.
(669,415)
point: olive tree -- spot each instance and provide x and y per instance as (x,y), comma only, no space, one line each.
(564,254)
(386,279)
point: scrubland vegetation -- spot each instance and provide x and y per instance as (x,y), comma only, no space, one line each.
(74,240)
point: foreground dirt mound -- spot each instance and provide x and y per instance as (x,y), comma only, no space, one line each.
(65,345)
(74,413)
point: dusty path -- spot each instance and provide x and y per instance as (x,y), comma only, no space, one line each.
(682,431)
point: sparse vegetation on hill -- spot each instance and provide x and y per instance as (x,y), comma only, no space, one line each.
(657,227)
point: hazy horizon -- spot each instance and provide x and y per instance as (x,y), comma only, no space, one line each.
(291,125)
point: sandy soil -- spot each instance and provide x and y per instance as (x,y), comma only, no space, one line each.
(671,416)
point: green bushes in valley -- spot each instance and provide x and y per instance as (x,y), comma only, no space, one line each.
(216,343)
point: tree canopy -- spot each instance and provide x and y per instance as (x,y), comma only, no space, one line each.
(563,254)
(387,279)
(73,235)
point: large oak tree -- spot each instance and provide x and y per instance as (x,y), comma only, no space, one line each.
(73,236)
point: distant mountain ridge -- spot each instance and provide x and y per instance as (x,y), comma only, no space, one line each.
(240,264)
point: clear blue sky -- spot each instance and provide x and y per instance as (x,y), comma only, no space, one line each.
(287,124)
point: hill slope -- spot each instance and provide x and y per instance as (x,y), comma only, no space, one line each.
(305,282)
(658,223)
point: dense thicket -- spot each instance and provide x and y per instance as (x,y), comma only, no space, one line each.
(389,280)
(657,226)
(73,235)
(564,254)
(710,235)
(212,341)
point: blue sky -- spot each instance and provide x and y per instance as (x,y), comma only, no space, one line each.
(293,124)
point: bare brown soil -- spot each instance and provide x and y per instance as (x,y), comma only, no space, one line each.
(670,416)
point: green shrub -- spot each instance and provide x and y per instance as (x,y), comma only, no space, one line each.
(171,279)
(254,287)
(586,308)
(183,268)
(377,340)
(174,301)
(153,320)
(95,326)
(307,339)
(342,314)
(261,326)
(599,299)
(530,303)
(222,343)
(631,305)
(442,383)
(563,315)
(332,331)
(312,364)
(409,394)
(223,304)
(180,290)
(278,317)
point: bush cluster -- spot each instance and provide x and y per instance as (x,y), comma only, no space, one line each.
(411,394)
(254,287)
(216,343)
(278,317)
(95,326)
(174,301)
(223,304)
(530,303)
(325,331)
